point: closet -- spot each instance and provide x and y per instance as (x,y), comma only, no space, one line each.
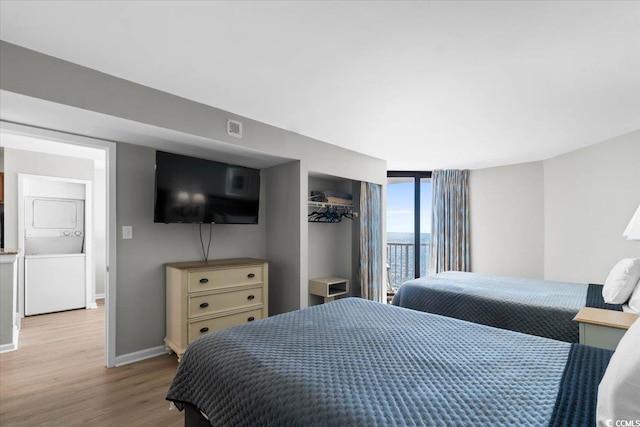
(333,231)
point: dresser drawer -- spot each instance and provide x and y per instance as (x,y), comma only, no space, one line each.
(203,327)
(223,278)
(213,303)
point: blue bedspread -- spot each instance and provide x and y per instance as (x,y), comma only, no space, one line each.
(537,307)
(577,397)
(360,363)
(595,299)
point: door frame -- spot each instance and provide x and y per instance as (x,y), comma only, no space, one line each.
(109,148)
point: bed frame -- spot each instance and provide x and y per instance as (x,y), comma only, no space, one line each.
(194,418)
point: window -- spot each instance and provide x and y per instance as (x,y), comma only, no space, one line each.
(408,225)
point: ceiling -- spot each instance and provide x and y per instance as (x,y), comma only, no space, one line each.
(424,85)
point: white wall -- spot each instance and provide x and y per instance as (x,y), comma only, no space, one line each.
(29,162)
(507,220)
(590,195)
(45,164)
(558,219)
(42,164)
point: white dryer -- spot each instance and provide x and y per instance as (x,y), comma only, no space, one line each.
(53,226)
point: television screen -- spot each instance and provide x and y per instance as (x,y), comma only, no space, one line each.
(192,190)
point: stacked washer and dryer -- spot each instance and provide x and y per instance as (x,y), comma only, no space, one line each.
(55,267)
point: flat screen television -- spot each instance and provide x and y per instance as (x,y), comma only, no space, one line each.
(192,190)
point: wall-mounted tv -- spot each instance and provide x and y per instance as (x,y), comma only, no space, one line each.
(192,190)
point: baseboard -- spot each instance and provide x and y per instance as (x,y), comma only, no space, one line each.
(5,348)
(137,356)
(101,296)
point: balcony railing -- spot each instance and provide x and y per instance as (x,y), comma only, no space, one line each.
(400,259)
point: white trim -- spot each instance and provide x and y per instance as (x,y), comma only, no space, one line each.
(5,348)
(100,296)
(16,334)
(137,356)
(110,170)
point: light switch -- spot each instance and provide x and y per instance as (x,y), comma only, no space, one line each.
(127,232)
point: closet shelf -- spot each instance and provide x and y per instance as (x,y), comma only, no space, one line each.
(330,212)
(328,205)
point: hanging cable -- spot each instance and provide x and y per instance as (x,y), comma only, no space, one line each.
(205,254)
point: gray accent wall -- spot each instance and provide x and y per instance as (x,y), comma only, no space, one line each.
(141,275)
(40,76)
(7,298)
(281,237)
(284,237)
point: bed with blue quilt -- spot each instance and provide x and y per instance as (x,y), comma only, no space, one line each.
(354,362)
(538,307)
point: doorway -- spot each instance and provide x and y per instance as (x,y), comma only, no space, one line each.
(63,155)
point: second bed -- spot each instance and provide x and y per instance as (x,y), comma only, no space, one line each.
(532,306)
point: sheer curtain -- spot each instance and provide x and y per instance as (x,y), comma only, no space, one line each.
(450,221)
(371,241)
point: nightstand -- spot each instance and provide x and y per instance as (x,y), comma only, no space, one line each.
(603,328)
(329,287)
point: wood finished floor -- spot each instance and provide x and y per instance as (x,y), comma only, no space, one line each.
(57,377)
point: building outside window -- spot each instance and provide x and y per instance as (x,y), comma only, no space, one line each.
(408,225)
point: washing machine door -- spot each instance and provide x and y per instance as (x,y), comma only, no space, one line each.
(54,283)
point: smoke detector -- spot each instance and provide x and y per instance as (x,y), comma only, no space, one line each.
(234,128)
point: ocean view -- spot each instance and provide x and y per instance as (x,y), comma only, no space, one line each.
(400,256)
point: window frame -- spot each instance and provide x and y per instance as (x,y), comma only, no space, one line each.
(417,176)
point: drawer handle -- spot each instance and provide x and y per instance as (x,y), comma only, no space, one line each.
(203,330)
(251,275)
(204,305)
(251,319)
(204,280)
(250,297)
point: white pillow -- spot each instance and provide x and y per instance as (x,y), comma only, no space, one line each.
(620,386)
(634,301)
(621,281)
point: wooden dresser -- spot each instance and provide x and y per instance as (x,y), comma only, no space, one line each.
(203,297)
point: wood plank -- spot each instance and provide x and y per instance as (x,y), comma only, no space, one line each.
(58,377)
(610,318)
(232,262)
